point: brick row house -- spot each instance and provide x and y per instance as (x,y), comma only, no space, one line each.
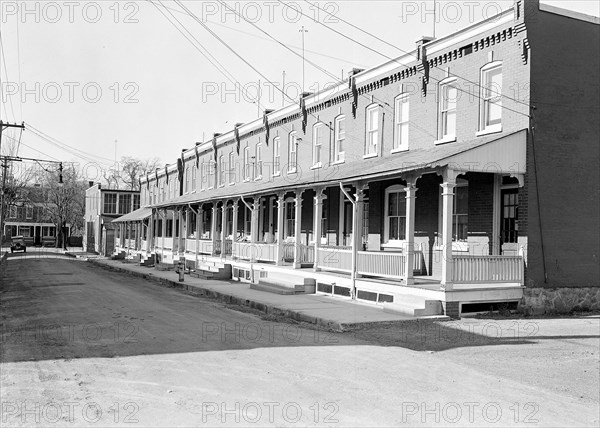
(33,221)
(462,173)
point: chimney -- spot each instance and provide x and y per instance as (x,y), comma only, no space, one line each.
(355,71)
(420,42)
(90,183)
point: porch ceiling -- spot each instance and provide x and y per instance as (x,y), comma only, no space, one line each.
(493,154)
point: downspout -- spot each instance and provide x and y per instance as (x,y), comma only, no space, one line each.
(197,233)
(354,249)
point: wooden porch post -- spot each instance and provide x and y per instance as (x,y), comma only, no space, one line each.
(447,213)
(150,232)
(280,207)
(180,237)
(213,228)
(411,190)
(298,229)
(254,217)
(318,214)
(357,217)
(234,226)
(223,228)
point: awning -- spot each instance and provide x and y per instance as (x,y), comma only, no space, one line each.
(137,215)
(493,154)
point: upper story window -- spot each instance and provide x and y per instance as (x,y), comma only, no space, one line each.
(401,121)
(395,214)
(258,167)
(203,178)
(110,203)
(187,179)
(447,101)
(276,156)
(136,202)
(13,211)
(125,203)
(318,139)
(491,98)
(246,163)
(28,212)
(194,177)
(372,130)
(292,152)
(212,170)
(222,169)
(231,168)
(340,138)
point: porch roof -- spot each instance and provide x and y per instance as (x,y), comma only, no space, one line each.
(493,154)
(137,215)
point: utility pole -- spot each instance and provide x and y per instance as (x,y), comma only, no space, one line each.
(302,30)
(4,165)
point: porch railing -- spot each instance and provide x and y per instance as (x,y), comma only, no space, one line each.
(334,259)
(478,269)
(258,251)
(307,253)
(381,263)
(190,246)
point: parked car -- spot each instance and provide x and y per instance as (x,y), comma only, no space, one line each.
(17,243)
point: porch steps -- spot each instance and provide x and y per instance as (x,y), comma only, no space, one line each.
(295,285)
(147,260)
(212,270)
(414,306)
(274,288)
(120,255)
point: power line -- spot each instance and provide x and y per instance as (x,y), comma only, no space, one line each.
(12,109)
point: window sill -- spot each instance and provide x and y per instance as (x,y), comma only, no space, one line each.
(457,246)
(258,178)
(399,150)
(292,171)
(317,166)
(490,130)
(339,162)
(232,183)
(394,244)
(445,140)
(277,174)
(370,155)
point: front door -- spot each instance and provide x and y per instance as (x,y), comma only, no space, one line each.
(509,221)
(37,240)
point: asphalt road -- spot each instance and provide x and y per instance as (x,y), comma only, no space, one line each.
(82,346)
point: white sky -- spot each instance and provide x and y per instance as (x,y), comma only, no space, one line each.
(147,60)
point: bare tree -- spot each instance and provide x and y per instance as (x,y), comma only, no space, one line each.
(132,169)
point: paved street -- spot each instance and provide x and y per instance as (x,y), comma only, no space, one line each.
(83,346)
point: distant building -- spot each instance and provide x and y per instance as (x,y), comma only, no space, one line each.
(101,207)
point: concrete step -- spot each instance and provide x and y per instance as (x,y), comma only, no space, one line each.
(164,266)
(299,285)
(275,289)
(413,308)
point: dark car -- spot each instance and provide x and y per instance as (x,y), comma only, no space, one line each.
(17,244)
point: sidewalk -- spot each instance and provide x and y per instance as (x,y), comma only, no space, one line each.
(326,312)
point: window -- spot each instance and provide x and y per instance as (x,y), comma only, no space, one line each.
(125,203)
(110,203)
(212,169)
(401,115)
(28,212)
(49,231)
(290,218)
(461,212)
(318,138)
(13,211)
(203,176)
(231,168)
(276,156)
(258,167)
(25,231)
(372,130)
(136,202)
(194,178)
(448,98)
(340,137)
(395,214)
(187,179)
(222,169)
(491,98)
(292,151)
(246,163)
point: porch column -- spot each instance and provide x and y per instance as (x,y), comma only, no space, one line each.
(174,234)
(318,214)
(149,232)
(409,258)
(254,220)
(234,226)
(357,217)
(223,228)
(180,237)
(213,228)
(298,230)
(270,216)
(164,232)
(280,207)
(447,212)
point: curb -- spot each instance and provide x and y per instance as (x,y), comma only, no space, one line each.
(322,323)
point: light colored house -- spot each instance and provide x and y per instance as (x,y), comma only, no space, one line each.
(464,172)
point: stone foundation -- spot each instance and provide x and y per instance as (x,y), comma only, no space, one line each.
(560,300)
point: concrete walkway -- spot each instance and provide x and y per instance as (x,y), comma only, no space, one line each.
(332,313)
